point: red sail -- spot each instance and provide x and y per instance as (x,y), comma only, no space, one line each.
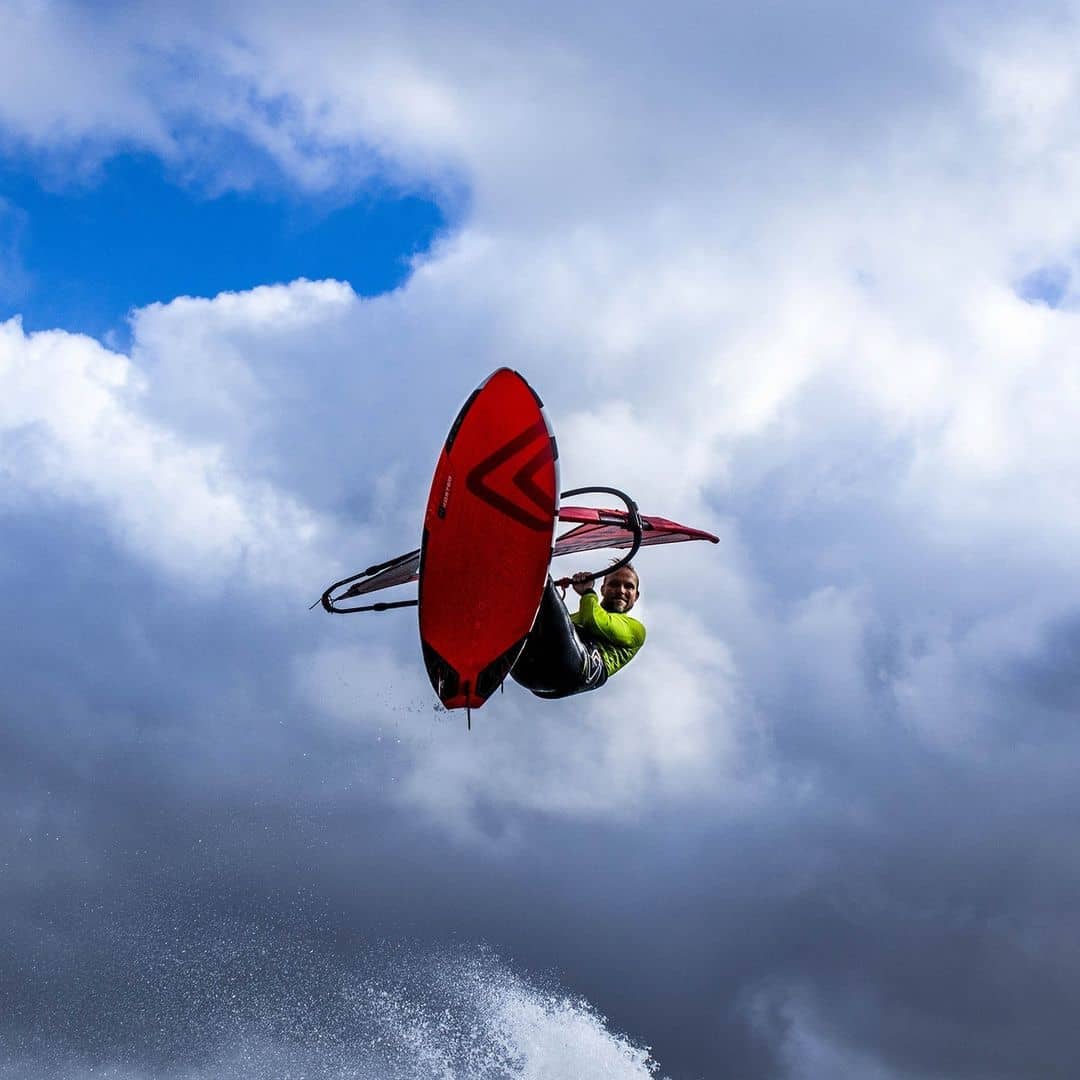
(609,529)
(596,529)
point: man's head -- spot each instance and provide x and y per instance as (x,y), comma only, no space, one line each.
(620,590)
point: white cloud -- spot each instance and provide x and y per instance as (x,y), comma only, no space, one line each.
(54,90)
(72,430)
(666,729)
(791,299)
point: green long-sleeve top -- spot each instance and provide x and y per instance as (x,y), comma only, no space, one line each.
(618,637)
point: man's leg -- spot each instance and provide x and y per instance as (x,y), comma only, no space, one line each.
(555,661)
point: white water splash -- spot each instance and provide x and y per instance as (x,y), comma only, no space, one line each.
(452,1016)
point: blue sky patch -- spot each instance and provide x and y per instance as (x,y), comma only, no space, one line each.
(81,257)
(1048,285)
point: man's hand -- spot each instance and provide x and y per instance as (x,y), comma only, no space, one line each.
(582,583)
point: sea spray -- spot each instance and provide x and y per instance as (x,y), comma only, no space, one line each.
(246,1005)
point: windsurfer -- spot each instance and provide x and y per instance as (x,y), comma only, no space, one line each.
(569,654)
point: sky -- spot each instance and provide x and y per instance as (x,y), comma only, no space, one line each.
(83,252)
(803,276)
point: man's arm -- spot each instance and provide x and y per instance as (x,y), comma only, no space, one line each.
(618,629)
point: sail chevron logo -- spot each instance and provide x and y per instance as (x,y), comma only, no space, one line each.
(534,446)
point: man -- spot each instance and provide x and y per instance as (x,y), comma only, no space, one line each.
(569,654)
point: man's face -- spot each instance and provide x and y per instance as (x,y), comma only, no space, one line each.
(619,592)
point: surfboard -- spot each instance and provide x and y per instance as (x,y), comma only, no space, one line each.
(487,541)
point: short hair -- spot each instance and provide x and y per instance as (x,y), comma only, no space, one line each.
(625,566)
